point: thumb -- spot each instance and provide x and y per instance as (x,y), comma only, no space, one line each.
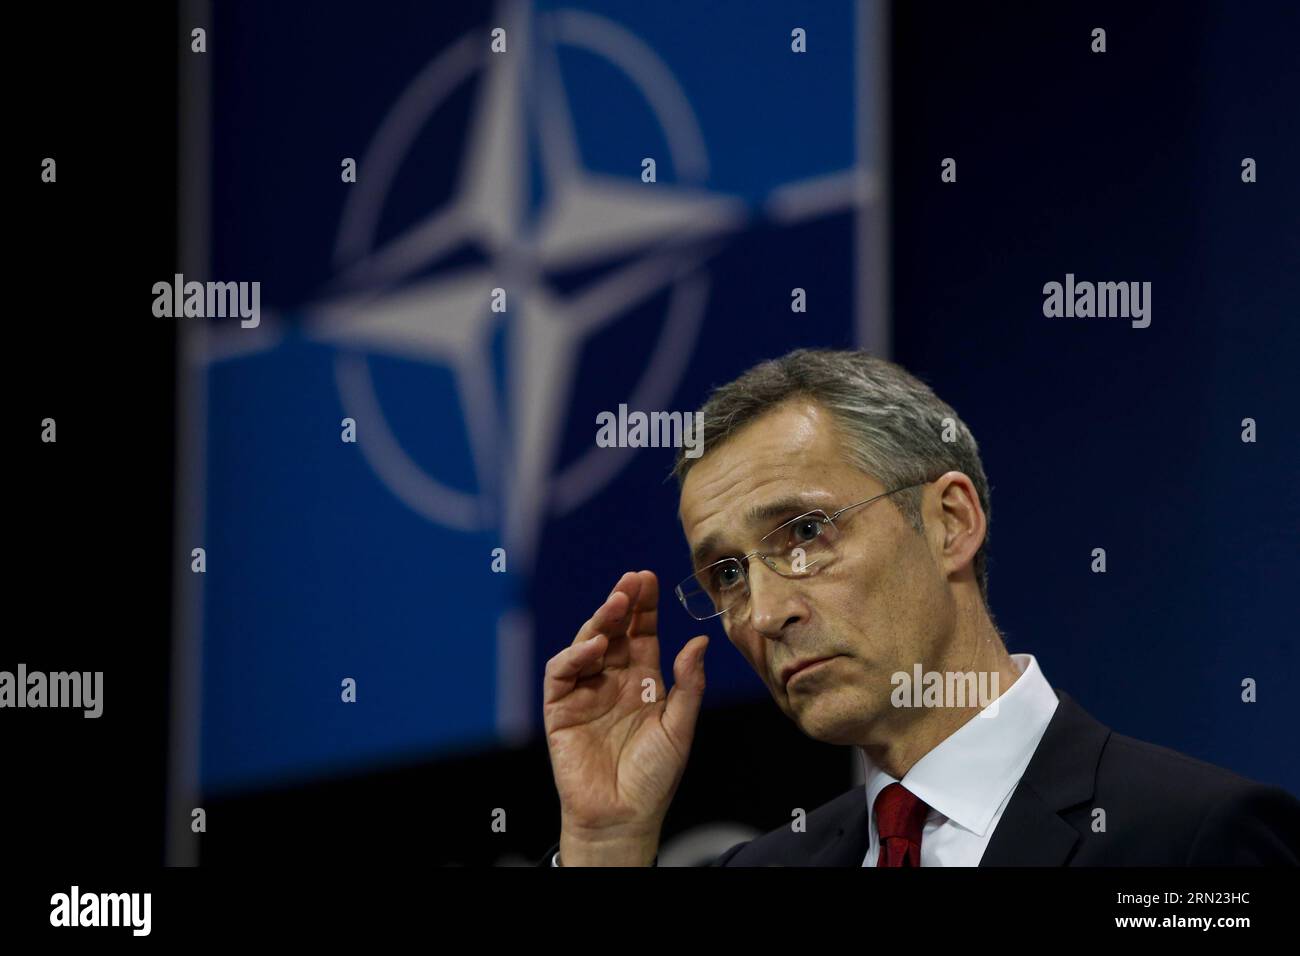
(683,706)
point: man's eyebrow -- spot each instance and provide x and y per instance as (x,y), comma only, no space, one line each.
(790,506)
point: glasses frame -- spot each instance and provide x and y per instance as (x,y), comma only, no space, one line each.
(757,552)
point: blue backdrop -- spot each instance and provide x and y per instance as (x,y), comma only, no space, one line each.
(518,170)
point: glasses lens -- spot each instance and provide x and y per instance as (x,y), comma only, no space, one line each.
(712,590)
(801,543)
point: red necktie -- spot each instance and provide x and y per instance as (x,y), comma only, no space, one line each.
(900,816)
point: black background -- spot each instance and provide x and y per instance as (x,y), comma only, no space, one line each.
(89,516)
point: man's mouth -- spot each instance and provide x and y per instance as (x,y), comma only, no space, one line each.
(798,667)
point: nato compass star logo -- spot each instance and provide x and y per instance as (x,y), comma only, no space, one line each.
(385,302)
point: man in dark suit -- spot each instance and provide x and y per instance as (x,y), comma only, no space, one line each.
(837,522)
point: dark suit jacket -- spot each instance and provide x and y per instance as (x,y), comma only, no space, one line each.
(1162,809)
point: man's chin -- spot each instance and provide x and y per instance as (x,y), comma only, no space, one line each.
(827,720)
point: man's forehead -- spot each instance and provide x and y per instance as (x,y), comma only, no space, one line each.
(792,444)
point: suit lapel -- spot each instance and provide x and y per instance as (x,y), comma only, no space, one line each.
(1060,775)
(1030,833)
(848,844)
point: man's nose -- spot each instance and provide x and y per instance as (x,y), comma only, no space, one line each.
(773,601)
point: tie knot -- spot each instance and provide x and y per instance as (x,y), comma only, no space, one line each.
(900,813)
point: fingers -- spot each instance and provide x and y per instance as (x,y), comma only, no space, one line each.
(683,706)
(565,669)
(643,624)
(630,611)
(645,609)
(611,617)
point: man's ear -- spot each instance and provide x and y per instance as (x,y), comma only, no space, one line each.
(957,514)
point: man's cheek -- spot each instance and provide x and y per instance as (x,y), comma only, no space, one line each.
(753,653)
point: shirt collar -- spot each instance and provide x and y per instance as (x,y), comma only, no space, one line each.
(968,775)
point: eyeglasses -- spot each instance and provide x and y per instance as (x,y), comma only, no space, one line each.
(798,548)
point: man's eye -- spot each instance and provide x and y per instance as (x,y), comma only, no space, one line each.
(724,578)
(806,530)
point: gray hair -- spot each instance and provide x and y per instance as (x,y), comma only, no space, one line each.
(891,424)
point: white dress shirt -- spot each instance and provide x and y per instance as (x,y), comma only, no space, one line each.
(968,779)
